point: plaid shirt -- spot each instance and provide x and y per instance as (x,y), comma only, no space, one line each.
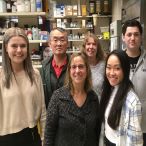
(129,132)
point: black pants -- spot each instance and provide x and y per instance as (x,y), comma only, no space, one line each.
(108,143)
(144,139)
(26,137)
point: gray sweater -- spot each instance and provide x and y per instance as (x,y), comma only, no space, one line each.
(139,81)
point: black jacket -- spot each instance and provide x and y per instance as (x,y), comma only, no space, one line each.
(49,78)
(70,125)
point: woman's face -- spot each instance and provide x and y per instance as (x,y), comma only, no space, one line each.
(114,72)
(17,50)
(91,47)
(78,71)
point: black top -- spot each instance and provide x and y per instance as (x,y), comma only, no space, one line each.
(133,61)
(49,78)
(70,125)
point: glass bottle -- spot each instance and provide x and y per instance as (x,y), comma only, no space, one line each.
(9,6)
(91,7)
(106,6)
(98,7)
(27,5)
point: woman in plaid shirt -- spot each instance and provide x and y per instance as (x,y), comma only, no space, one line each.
(120,106)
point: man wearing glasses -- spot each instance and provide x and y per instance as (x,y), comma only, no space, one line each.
(54,68)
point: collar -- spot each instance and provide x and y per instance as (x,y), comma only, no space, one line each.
(91,94)
(63,64)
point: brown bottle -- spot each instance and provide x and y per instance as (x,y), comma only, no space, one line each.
(106,7)
(98,6)
(92,7)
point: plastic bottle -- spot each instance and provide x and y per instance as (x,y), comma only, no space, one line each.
(29,34)
(92,7)
(106,6)
(2,6)
(39,5)
(9,6)
(98,7)
(20,6)
(14,7)
(35,33)
(27,5)
(32,5)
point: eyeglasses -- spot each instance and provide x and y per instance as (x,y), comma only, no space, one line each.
(62,40)
(80,67)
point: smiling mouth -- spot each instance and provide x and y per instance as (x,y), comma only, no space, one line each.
(59,49)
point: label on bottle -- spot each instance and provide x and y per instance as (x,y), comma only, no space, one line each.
(98,8)
(84,10)
(39,6)
(92,6)
(106,6)
(9,8)
(27,6)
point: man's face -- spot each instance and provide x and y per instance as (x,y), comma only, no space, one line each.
(58,42)
(132,38)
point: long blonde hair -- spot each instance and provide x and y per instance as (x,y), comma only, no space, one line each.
(100,55)
(6,62)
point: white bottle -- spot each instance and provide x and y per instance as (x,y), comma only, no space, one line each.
(32,5)
(2,6)
(20,6)
(27,5)
(39,5)
(35,33)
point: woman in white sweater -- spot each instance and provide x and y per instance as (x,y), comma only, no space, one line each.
(21,93)
(120,107)
(95,56)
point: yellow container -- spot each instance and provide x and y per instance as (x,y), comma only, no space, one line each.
(106,35)
(84,10)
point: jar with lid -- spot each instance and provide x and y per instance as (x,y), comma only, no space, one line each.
(92,7)
(20,6)
(2,6)
(32,5)
(27,5)
(9,5)
(106,7)
(39,5)
(98,6)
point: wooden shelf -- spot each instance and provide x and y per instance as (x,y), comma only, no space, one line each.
(23,14)
(37,41)
(77,28)
(62,17)
(73,51)
(73,40)
(98,16)
(33,41)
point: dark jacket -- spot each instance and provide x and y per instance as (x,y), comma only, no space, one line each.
(70,125)
(49,78)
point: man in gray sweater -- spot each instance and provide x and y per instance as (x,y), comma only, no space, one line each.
(132,37)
